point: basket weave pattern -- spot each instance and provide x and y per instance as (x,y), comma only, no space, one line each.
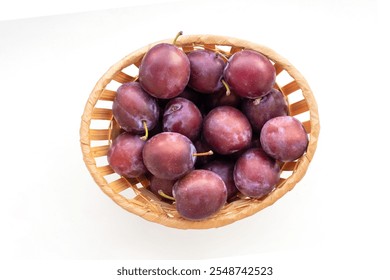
(98,129)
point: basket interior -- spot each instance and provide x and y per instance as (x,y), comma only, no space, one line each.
(99,128)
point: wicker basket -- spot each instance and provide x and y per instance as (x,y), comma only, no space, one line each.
(98,128)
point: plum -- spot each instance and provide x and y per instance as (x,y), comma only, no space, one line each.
(255,173)
(164,71)
(133,108)
(227,130)
(249,74)
(169,155)
(259,111)
(206,71)
(199,194)
(284,138)
(182,116)
(125,155)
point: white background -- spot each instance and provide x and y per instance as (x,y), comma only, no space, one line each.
(333,224)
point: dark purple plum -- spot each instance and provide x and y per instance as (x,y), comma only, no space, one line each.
(227,130)
(158,184)
(260,111)
(249,74)
(206,71)
(255,173)
(220,98)
(132,106)
(284,138)
(201,146)
(195,97)
(199,195)
(224,168)
(182,116)
(169,155)
(164,71)
(125,155)
(157,129)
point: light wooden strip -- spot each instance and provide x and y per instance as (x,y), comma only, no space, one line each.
(209,46)
(299,107)
(278,68)
(235,49)
(138,63)
(132,181)
(115,129)
(289,166)
(123,78)
(307,126)
(188,48)
(108,95)
(99,134)
(144,181)
(99,151)
(119,185)
(105,170)
(101,114)
(281,181)
(290,88)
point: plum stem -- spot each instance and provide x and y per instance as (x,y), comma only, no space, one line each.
(226,86)
(208,153)
(257,101)
(164,195)
(145,137)
(177,36)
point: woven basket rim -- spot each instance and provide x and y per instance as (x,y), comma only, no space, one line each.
(135,205)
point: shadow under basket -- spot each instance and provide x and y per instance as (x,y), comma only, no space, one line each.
(98,128)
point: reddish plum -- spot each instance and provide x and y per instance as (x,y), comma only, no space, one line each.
(169,155)
(260,111)
(132,107)
(182,116)
(227,130)
(284,138)
(255,173)
(164,71)
(206,71)
(199,194)
(125,155)
(249,74)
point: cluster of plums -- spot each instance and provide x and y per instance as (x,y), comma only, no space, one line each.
(204,128)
